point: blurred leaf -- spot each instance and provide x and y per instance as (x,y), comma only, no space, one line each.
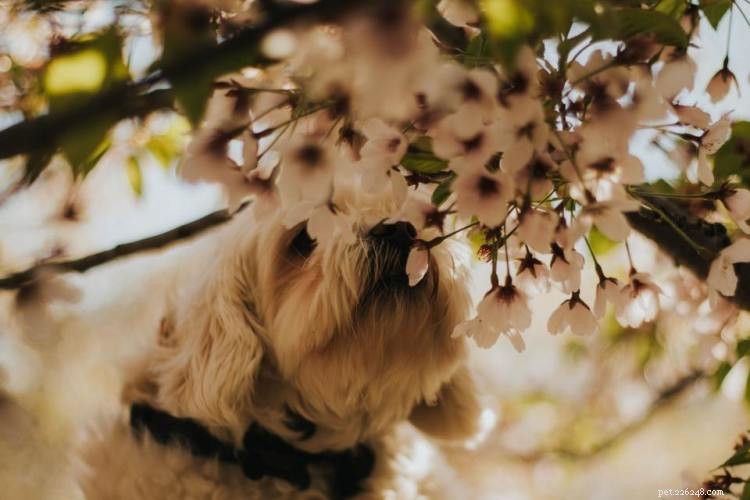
(442,191)
(743,348)
(91,65)
(167,146)
(720,374)
(600,244)
(476,239)
(745,491)
(741,456)
(36,162)
(135,176)
(631,22)
(476,52)
(564,47)
(673,8)
(714,10)
(734,156)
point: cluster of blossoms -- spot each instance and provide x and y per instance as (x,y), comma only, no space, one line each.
(528,157)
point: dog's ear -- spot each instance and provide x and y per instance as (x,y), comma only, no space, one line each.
(456,413)
(208,360)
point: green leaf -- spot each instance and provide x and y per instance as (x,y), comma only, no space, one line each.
(423,163)
(714,10)
(36,162)
(135,176)
(600,244)
(477,52)
(442,191)
(167,146)
(741,456)
(631,22)
(733,159)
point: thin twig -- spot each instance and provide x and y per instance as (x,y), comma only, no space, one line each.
(156,242)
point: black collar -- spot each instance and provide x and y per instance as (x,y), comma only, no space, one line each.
(262,454)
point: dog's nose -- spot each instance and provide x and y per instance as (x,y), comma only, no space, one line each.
(400,235)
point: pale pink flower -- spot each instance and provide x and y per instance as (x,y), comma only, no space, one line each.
(484,194)
(676,75)
(325,223)
(532,275)
(607,291)
(463,138)
(505,309)
(417,263)
(383,141)
(458,12)
(692,115)
(420,213)
(575,315)
(565,268)
(521,132)
(720,84)
(608,217)
(721,275)
(737,202)
(709,143)
(484,336)
(638,301)
(536,228)
(306,172)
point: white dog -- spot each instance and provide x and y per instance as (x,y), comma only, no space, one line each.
(285,369)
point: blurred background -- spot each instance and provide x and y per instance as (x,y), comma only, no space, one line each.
(617,416)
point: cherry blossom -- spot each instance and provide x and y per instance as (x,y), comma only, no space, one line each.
(638,301)
(484,194)
(608,217)
(721,83)
(532,275)
(709,143)
(307,172)
(485,336)
(565,268)
(575,315)
(721,275)
(417,263)
(536,228)
(607,291)
(737,202)
(504,310)
(521,131)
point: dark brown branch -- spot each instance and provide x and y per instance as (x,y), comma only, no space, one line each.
(710,237)
(155,242)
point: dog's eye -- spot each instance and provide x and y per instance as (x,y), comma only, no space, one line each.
(302,245)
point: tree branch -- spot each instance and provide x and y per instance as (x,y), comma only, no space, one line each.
(710,237)
(194,228)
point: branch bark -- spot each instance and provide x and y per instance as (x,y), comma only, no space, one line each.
(670,236)
(159,241)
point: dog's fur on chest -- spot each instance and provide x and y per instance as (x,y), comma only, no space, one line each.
(267,327)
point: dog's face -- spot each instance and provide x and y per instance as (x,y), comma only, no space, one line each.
(332,333)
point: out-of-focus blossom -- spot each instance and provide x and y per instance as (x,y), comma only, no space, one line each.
(306,172)
(722,278)
(458,12)
(677,74)
(737,202)
(692,115)
(709,143)
(485,336)
(325,223)
(608,217)
(504,310)
(521,132)
(464,139)
(575,315)
(536,228)
(417,263)
(484,194)
(638,301)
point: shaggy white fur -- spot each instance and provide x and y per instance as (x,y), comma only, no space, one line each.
(257,328)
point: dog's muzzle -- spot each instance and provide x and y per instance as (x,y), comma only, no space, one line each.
(398,237)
